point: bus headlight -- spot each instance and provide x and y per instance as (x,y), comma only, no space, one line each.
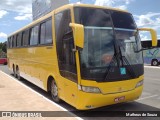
(140,83)
(89,89)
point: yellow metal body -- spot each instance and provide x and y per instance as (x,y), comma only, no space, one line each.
(109,91)
(78,31)
(153,35)
(41,62)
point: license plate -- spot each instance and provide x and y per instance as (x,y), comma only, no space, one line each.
(118,99)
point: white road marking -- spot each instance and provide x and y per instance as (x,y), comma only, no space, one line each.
(146,93)
(41,95)
(152,67)
(152,79)
(147,97)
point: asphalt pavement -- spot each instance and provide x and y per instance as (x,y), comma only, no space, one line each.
(149,101)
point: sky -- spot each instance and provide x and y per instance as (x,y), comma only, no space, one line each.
(15,14)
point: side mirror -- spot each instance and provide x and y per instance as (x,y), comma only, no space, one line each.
(149,44)
(78,32)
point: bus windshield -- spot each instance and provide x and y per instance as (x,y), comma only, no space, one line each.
(110,46)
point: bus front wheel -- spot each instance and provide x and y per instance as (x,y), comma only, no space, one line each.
(154,62)
(54,92)
(14,71)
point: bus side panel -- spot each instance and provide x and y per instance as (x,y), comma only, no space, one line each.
(151,54)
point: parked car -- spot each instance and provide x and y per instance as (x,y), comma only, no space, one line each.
(3,61)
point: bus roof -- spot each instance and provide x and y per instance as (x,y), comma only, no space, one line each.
(63,8)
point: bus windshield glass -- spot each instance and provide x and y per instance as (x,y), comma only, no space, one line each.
(110,45)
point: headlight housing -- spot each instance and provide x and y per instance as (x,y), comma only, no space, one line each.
(140,83)
(89,89)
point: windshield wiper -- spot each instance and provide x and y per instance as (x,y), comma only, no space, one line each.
(124,59)
(110,65)
(131,71)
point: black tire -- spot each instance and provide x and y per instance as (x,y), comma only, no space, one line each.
(14,72)
(18,73)
(54,91)
(5,63)
(154,62)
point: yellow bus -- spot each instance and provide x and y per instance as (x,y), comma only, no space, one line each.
(86,55)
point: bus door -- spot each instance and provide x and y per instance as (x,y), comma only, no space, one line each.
(66,56)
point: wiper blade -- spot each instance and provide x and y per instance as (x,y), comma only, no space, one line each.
(132,72)
(109,67)
(117,58)
(124,59)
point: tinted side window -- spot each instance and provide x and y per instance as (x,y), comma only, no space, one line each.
(14,40)
(123,20)
(48,32)
(92,17)
(8,43)
(25,38)
(42,33)
(65,46)
(19,39)
(11,44)
(34,35)
(61,24)
(31,36)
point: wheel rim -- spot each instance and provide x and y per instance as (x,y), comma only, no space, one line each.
(154,62)
(54,89)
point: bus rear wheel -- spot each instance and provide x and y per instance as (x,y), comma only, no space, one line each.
(18,73)
(54,91)
(154,62)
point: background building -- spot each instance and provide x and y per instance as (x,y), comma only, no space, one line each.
(42,7)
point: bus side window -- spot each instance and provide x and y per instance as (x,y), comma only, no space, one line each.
(31,32)
(17,36)
(65,45)
(48,39)
(42,33)
(19,39)
(46,32)
(34,35)
(25,38)
(10,43)
(14,41)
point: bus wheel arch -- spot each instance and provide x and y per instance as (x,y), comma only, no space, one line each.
(50,78)
(154,62)
(53,89)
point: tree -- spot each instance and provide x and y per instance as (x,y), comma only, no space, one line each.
(1,44)
(3,47)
